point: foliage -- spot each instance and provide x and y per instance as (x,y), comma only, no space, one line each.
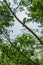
(36,9)
(26,43)
(9,55)
(5,16)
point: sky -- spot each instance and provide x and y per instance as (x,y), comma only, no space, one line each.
(17,28)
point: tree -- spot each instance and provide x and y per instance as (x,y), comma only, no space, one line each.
(23,45)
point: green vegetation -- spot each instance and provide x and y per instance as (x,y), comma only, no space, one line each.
(26,49)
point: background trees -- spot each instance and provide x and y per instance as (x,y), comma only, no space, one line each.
(25,49)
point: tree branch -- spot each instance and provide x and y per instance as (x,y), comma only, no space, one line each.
(22,22)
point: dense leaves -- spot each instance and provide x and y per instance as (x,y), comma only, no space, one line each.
(9,55)
(5,16)
(36,9)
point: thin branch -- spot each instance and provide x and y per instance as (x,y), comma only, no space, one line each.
(22,22)
(16,47)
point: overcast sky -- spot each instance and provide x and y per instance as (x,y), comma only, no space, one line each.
(17,28)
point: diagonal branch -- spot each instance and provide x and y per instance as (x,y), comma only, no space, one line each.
(2,31)
(22,22)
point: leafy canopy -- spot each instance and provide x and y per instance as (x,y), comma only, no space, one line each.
(25,43)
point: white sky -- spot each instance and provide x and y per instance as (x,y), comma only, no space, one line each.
(18,27)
